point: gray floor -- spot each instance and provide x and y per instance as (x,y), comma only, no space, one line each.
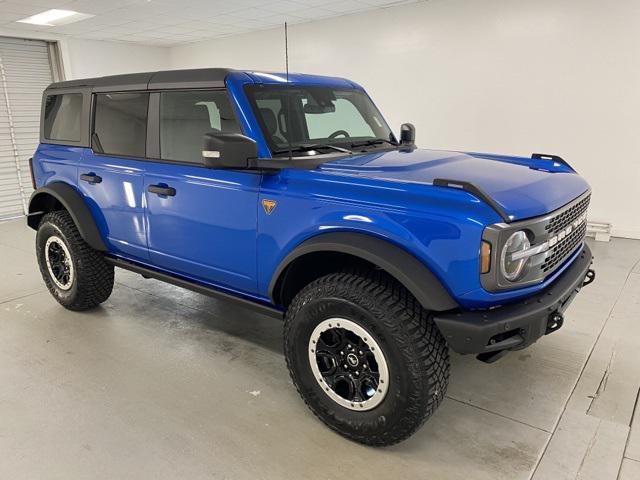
(162,383)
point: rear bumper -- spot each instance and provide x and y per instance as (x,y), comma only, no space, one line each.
(517,325)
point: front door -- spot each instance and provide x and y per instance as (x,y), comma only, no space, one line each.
(201,222)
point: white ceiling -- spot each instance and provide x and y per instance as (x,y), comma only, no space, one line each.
(172,22)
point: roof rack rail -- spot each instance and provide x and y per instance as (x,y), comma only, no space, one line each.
(476,191)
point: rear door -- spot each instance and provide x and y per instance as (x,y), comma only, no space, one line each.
(111,173)
(201,222)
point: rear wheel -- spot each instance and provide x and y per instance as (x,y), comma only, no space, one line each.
(77,276)
(365,356)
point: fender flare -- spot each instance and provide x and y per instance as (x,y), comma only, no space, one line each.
(73,202)
(404,267)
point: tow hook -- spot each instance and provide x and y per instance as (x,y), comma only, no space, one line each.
(589,278)
(555,321)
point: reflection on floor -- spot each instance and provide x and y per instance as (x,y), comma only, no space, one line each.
(164,383)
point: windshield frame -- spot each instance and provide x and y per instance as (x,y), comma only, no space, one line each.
(340,142)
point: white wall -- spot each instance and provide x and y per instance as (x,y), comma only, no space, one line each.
(507,76)
(91,58)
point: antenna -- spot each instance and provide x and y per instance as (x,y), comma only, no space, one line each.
(286,50)
(288,96)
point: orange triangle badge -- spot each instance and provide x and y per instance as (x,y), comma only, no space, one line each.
(269,206)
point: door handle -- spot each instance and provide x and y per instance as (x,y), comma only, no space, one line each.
(162,190)
(92,178)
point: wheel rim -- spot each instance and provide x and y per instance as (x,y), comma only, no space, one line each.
(59,262)
(348,364)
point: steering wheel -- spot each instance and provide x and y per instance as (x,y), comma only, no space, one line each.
(339,132)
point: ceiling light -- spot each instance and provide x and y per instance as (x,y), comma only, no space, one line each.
(55,17)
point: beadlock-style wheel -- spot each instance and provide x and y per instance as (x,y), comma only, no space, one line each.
(349,364)
(343,322)
(59,262)
(77,276)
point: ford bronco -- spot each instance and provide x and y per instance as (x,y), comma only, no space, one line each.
(290,195)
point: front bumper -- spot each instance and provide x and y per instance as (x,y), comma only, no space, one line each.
(518,325)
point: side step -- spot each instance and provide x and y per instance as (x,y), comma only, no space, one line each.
(196,287)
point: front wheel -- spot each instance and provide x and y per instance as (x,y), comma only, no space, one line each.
(365,356)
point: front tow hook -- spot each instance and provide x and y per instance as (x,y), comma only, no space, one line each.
(589,278)
(554,322)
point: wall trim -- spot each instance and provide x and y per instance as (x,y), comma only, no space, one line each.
(632,233)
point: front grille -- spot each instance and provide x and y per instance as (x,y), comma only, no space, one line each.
(564,248)
(564,219)
(554,238)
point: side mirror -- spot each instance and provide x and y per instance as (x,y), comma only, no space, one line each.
(228,150)
(407,134)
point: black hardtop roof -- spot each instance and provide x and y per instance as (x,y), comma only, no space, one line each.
(194,78)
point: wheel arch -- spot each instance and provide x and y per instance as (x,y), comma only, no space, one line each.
(60,195)
(326,252)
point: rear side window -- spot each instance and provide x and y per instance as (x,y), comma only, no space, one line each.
(186,116)
(120,123)
(62,117)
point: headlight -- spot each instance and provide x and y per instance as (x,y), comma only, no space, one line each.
(513,269)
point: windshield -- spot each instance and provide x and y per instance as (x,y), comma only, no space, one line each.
(303,117)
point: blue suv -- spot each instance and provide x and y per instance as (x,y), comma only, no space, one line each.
(290,194)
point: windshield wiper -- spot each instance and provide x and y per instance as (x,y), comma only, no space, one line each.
(374,141)
(306,148)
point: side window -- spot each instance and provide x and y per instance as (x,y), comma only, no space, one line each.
(186,116)
(62,117)
(346,115)
(120,123)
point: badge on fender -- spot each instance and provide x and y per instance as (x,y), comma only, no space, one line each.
(269,206)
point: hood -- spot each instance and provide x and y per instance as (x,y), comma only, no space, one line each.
(523,187)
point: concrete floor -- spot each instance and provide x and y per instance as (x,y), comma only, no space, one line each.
(163,383)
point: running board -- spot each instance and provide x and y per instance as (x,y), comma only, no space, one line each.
(196,287)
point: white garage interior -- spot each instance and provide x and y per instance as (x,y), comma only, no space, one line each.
(160,382)
(26,68)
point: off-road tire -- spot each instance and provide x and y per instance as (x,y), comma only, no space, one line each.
(416,353)
(93,277)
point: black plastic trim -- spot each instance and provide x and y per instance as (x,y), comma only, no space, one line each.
(167,79)
(189,79)
(401,265)
(153,126)
(295,163)
(196,287)
(521,323)
(476,191)
(554,158)
(73,202)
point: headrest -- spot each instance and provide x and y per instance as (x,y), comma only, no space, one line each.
(191,112)
(269,119)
